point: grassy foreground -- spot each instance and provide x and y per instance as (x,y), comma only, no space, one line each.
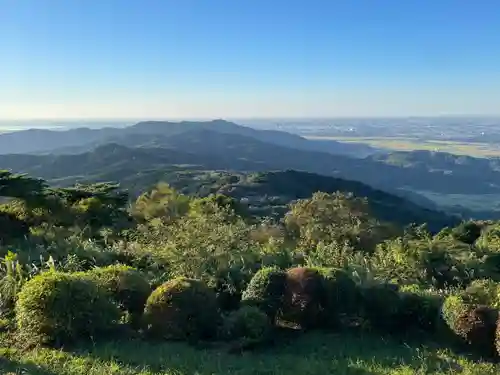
(313,353)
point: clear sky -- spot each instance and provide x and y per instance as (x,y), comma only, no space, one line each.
(248,58)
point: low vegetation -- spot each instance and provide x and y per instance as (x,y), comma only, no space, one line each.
(91,283)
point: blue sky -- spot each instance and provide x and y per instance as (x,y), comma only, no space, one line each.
(248,58)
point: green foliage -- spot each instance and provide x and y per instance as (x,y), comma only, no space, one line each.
(340,295)
(381,306)
(435,262)
(453,309)
(483,292)
(182,308)
(334,218)
(247,324)
(127,286)
(163,203)
(467,232)
(13,276)
(497,339)
(265,291)
(419,308)
(202,246)
(55,307)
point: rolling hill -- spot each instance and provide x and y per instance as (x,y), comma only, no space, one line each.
(148,148)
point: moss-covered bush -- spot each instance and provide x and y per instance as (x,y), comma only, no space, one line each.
(381,305)
(304,294)
(419,308)
(247,324)
(127,286)
(56,307)
(182,308)
(265,291)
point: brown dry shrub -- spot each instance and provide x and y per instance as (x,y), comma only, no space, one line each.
(304,291)
(478,328)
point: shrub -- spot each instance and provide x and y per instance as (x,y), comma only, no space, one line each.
(248,324)
(467,232)
(484,292)
(497,338)
(452,309)
(55,307)
(229,287)
(304,293)
(473,324)
(380,306)
(127,286)
(419,308)
(182,308)
(341,294)
(478,328)
(265,291)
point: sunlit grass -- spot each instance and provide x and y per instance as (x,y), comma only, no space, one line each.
(310,354)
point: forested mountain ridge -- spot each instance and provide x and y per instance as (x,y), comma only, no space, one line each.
(149,147)
(152,133)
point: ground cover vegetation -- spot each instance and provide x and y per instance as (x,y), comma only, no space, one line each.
(93,283)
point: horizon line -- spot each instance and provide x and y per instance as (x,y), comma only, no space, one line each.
(254,118)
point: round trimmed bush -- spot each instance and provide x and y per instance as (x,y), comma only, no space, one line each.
(419,308)
(478,329)
(380,306)
(265,291)
(180,309)
(56,307)
(452,309)
(304,293)
(127,286)
(229,286)
(340,294)
(497,338)
(474,324)
(248,324)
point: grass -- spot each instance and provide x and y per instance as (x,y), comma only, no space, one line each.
(313,353)
(411,144)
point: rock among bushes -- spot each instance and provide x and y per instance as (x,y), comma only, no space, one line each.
(181,309)
(265,291)
(57,308)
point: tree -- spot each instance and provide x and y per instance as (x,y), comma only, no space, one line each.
(162,202)
(334,218)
